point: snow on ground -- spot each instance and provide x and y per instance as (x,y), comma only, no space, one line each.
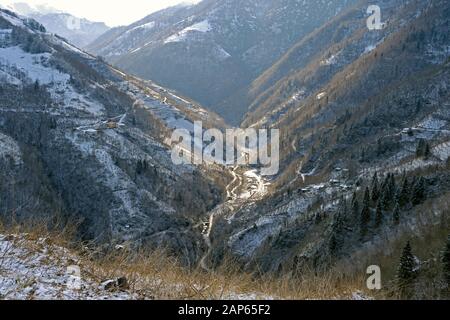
(298,96)
(113,176)
(171,116)
(321,95)
(71,47)
(329,61)
(34,269)
(370,48)
(257,185)
(431,123)
(442,151)
(36,68)
(9,147)
(5,33)
(13,20)
(5,77)
(184,34)
(67,96)
(37,270)
(32,65)
(145,26)
(221,53)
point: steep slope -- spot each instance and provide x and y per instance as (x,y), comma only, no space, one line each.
(365,148)
(214,49)
(82,141)
(370,103)
(314,60)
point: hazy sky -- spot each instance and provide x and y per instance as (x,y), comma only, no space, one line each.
(112,12)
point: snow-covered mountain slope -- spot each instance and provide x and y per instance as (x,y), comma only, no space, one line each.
(24,8)
(212,50)
(373,106)
(78,31)
(316,59)
(365,135)
(34,269)
(39,268)
(90,142)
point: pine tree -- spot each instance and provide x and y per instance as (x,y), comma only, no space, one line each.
(406,273)
(337,232)
(354,197)
(365,213)
(333,246)
(366,197)
(405,193)
(427,151)
(418,195)
(384,194)
(396,214)
(378,215)
(385,182)
(392,186)
(36,85)
(355,205)
(420,150)
(446,263)
(385,200)
(375,188)
(423,149)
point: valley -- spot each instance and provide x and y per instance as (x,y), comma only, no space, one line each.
(363,118)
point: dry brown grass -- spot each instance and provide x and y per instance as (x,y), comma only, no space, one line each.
(155,275)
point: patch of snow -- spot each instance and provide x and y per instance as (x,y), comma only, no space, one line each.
(432,124)
(9,147)
(37,270)
(321,95)
(4,33)
(370,48)
(32,65)
(299,95)
(71,47)
(360,296)
(329,61)
(221,53)
(13,20)
(8,78)
(442,151)
(147,26)
(260,186)
(202,27)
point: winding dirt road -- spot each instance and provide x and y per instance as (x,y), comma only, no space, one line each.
(246,187)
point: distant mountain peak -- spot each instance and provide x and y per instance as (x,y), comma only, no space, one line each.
(26,9)
(78,31)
